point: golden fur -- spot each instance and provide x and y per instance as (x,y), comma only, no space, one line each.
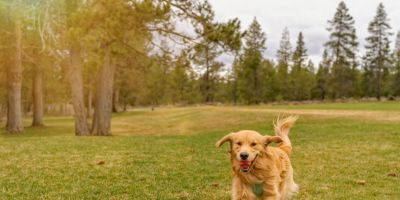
(270,167)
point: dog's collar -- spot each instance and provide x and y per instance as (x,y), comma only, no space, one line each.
(258,189)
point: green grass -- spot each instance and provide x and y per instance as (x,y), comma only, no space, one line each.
(169,154)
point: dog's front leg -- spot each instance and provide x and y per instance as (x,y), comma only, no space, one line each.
(271,192)
(241,191)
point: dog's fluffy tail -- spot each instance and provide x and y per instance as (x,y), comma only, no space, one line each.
(282,127)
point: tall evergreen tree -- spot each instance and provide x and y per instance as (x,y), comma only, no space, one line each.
(269,81)
(216,38)
(300,53)
(156,77)
(377,57)
(206,52)
(181,85)
(341,46)
(233,79)
(395,83)
(284,54)
(320,90)
(301,79)
(354,67)
(251,64)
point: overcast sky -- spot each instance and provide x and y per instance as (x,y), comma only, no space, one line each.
(308,16)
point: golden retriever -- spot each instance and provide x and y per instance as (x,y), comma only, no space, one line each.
(261,171)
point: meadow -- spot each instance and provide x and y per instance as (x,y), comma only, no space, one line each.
(341,151)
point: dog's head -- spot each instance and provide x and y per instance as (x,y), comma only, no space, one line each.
(246,146)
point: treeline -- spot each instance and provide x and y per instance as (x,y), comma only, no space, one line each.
(108,55)
(291,76)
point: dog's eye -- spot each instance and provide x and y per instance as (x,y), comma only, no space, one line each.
(253,144)
(239,143)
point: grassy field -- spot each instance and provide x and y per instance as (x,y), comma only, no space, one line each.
(371,106)
(341,151)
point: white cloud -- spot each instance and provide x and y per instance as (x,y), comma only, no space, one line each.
(308,16)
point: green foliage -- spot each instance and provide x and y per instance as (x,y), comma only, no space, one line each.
(182,81)
(156,78)
(321,89)
(269,81)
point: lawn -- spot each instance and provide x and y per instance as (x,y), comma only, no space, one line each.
(169,153)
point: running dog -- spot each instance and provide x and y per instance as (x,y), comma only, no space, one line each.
(259,170)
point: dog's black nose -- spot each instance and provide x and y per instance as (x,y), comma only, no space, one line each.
(244,155)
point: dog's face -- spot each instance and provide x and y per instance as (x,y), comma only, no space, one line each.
(246,146)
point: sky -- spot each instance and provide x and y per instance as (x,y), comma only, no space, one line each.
(308,16)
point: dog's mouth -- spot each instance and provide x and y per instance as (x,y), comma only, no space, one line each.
(245,165)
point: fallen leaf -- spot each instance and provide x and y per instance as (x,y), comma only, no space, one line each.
(101,162)
(215,184)
(326,187)
(361,182)
(392,174)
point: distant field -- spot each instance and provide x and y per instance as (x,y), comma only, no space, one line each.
(371,106)
(169,153)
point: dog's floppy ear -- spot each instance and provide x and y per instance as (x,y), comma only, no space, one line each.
(224,139)
(268,139)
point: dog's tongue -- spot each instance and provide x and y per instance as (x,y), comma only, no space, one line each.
(245,165)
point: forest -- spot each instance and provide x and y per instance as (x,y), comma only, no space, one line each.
(90,58)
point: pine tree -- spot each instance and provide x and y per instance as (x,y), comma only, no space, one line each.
(251,64)
(395,83)
(377,57)
(269,81)
(232,81)
(180,83)
(284,55)
(206,52)
(320,90)
(157,78)
(300,53)
(301,79)
(215,39)
(341,46)
(354,67)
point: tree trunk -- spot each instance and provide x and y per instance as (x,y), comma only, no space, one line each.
(76,83)
(3,110)
(14,113)
(37,96)
(104,96)
(115,105)
(89,102)
(1,113)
